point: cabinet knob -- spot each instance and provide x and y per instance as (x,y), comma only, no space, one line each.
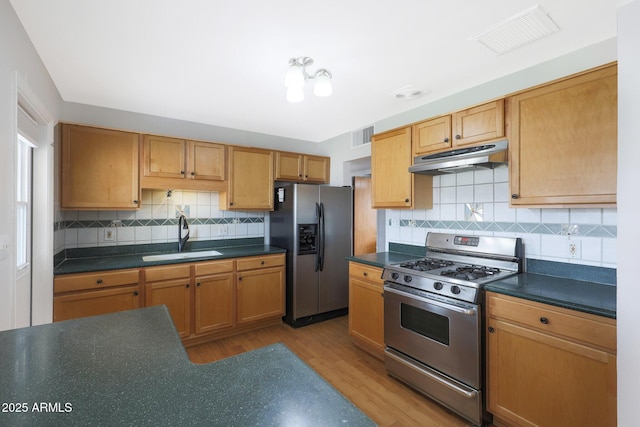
(544,320)
(198,284)
(491,330)
(99,281)
(514,196)
(458,137)
(135,202)
(188,286)
(230,203)
(135,293)
(446,140)
(181,172)
(261,262)
(365,274)
(406,200)
(193,174)
(239,278)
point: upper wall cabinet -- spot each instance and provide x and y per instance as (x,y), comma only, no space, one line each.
(474,125)
(563,141)
(178,163)
(250,183)
(99,168)
(301,167)
(392,185)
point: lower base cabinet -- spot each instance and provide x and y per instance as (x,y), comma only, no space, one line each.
(366,308)
(214,297)
(171,286)
(549,366)
(260,288)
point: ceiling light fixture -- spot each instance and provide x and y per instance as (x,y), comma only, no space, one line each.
(297,75)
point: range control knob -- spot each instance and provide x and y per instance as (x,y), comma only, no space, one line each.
(437,286)
(408,279)
(395,275)
(455,290)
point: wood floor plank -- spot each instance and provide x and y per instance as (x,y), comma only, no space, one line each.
(327,348)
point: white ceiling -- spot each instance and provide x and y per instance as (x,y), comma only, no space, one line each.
(222,62)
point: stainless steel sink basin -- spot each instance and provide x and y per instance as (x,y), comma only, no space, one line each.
(180,255)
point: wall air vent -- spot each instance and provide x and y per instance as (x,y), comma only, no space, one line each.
(361,137)
(519,30)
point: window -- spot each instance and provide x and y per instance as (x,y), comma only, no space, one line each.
(23,203)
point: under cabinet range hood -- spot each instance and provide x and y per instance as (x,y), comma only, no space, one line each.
(485,156)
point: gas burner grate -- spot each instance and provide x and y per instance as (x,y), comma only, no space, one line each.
(426,264)
(472,272)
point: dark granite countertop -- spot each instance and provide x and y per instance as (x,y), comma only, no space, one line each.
(130,368)
(379,259)
(83,260)
(588,297)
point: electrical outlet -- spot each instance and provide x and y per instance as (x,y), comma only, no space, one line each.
(109,233)
(574,249)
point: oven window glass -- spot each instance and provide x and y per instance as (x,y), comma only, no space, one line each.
(426,323)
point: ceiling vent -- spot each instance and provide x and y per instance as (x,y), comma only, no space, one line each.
(519,30)
(361,137)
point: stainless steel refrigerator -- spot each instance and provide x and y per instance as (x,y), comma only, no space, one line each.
(313,223)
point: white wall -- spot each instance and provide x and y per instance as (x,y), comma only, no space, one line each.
(628,206)
(16,54)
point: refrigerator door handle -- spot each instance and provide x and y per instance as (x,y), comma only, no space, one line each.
(321,236)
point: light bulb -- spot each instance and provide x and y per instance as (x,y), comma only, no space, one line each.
(295,94)
(323,85)
(294,76)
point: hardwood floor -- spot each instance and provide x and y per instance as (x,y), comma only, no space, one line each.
(360,377)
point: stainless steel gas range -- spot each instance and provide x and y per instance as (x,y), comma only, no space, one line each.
(433,321)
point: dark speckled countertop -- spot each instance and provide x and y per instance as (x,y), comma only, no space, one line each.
(130,368)
(83,260)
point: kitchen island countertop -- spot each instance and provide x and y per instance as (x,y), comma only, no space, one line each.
(130,368)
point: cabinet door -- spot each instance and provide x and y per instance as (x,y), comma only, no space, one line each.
(214,303)
(316,169)
(250,179)
(538,379)
(206,161)
(99,168)
(563,142)
(366,312)
(260,294)
(164,157)
(432,135)
(482,123)
(176,295)
(94,303)
(288,166)
(392,184)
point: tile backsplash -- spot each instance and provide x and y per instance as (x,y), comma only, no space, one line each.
(477,202)
(156,222)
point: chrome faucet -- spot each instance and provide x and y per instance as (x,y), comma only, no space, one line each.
(182,225)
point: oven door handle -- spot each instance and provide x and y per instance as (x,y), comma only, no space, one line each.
(467,311)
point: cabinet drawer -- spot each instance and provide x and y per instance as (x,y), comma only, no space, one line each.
(154,274)
(362,271)
(213,267)
(251,263)
(572,324)
(103,279)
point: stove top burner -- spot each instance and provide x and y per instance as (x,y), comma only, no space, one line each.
(470,273)
(426,264)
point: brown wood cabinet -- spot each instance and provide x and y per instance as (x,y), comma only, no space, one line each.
(563,141)
(250,183)
(214,297)
(183,164)
(474,125)
(171,286)
(92,294)
(301,167)
(392,185)
(549,366)
(98,168)
(260,288)
(366,308)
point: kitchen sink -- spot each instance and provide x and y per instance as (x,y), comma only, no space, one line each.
(180,255)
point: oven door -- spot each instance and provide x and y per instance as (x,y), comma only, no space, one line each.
(437,331)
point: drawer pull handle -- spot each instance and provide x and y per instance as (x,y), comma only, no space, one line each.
(99,281)
(544,320)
